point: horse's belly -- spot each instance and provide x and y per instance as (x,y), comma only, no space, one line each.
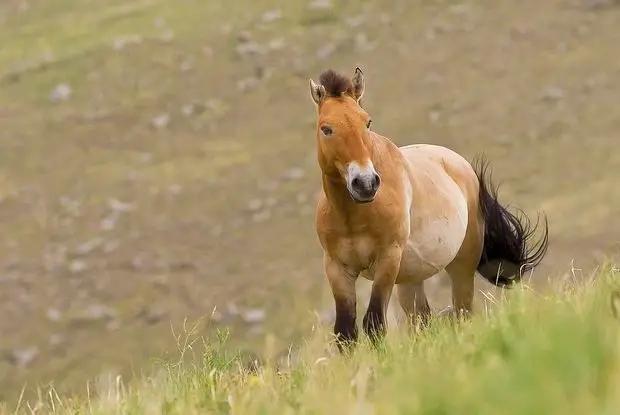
(430,250)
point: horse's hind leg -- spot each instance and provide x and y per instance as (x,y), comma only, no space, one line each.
(413,301)
(462,278)
(462,269)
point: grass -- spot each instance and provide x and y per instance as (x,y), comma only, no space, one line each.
(524,353)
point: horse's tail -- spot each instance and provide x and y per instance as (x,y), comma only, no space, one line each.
(510,247)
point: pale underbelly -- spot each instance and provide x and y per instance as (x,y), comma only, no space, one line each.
(427,254)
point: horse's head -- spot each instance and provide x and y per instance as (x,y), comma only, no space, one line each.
(343,128)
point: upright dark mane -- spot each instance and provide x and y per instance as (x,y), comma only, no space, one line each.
(335,84)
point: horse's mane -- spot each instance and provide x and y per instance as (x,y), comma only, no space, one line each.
(335,84)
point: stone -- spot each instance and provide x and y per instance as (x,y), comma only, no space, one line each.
(61,92)
(77,266)
(160,121)
(320,5)
(53,314)
(253,315)
(89,246)
(552,93)
(23,357)
(255,205)
(271,15)
(294,173)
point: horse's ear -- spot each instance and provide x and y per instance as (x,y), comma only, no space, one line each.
(358,84)
(317,91)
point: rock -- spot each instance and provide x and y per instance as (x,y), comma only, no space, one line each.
(160,121)
(159,22)
(261,216)
(113,325)
(186,65)
(294,173)
(552,93)
(153,314)
(362,43)
(355,21)
(598,4)
(320,5)
(232,309)
(71,206)
(56,340)
(121,43)
(61,92)
(244,36)
(249,48)
(255,205)
(94,313)
(253,315)
(53,314)
(248,84)
(175,189)
(89,246)
(118,206)
(77,266)
(109,222)
(434,116)
(271,15)
(23,357)
(192,109)
(276,44)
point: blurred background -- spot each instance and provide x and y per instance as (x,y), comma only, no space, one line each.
(157,157)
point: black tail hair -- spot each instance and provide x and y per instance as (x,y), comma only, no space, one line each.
(509,245)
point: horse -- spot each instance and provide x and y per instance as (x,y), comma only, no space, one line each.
(398,216)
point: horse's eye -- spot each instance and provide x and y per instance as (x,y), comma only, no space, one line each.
(369,124)
(326,130)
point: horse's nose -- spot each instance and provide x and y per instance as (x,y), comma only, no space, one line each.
(376,181)
(365,186)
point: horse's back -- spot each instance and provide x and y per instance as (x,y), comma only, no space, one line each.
(444,189)
(433,159)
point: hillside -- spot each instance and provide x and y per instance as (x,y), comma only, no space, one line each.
(525,354)
(157,158)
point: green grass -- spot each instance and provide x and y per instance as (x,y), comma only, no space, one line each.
(522,354)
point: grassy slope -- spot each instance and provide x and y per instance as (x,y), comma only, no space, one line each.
(471,76)
(557,354)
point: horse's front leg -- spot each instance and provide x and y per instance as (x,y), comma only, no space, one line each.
(343,289)
(385,272)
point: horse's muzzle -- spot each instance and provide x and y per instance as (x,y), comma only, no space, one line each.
(364,187)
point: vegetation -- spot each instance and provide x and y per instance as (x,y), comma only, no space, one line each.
(522,354)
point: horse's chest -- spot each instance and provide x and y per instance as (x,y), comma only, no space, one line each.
(356,253)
